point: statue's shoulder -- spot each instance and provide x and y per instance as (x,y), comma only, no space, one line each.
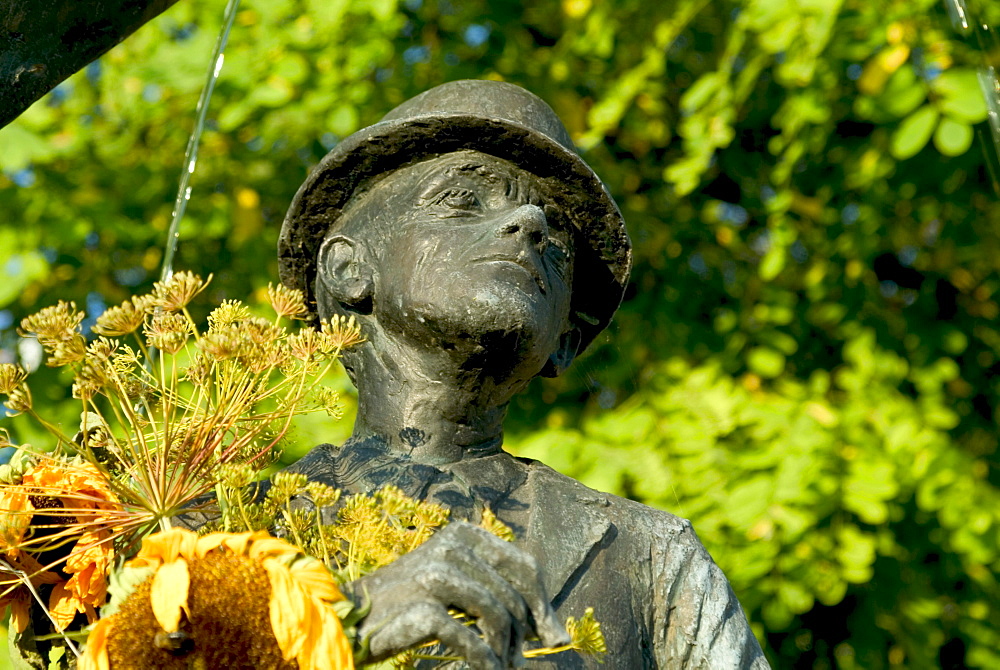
(319,463)
(636,517)
(652,559)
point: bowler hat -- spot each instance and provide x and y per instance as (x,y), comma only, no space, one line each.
(495,118)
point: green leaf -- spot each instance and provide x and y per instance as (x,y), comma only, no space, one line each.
(343,120)
(19,147)
(856,552)
(56,654)
(795,596)
(867,488)
(292,67)
(22,269)
(903,94)
(748,502)
(953,138)
(699,93)
(913,133)
(776,614)
(778,37)
(234,115)
(961,96)
(275,92)
(783,342)
(773,263)
(766,362)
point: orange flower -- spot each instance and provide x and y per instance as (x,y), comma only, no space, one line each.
(255,600)
(59,510)
(16,594)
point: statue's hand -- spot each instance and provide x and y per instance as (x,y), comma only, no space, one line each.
(465,568)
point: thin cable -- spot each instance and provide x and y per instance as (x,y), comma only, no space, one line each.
(191,155)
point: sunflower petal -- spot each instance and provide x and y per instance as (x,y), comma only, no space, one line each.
(63,606)
(168,593)
(289,609)
(35,570)
(95,655)
(317,581)
(209,543)
(20,613)
(93,548)
(266,546)
(15,516)
(331,649)
(237,543)
(166,546)
(80,582)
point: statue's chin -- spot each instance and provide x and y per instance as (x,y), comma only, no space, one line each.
(498,326)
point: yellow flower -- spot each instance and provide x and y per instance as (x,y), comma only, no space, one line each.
(223,600)
(228,313)
(341,332)
(124,319)
(11,376)
(58,330)
(59,511)
(57,322)
(175,293)
(287,302)
(167,331)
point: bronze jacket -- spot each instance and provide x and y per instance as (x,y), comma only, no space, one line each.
(660,598)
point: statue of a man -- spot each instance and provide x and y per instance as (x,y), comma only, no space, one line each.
(477,250)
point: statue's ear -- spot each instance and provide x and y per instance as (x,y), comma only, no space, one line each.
(345,273)
(560,359)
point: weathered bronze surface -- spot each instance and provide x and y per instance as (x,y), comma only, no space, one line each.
(42,43)
(478,250)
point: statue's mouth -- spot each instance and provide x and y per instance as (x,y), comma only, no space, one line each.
(523,263)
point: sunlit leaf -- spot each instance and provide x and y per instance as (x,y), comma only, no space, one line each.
(953,138)
(961,96)
(914,132)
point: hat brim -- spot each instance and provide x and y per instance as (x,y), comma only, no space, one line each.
(603,251)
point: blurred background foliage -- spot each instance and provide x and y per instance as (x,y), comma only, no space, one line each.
(805,362)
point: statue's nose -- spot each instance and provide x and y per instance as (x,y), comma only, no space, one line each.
(527,221)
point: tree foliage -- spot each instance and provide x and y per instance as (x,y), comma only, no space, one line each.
(805,361)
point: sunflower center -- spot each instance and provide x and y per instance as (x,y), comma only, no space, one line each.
(229,624)
(41,502)
(46,525)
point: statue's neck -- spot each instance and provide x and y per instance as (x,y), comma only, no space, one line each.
(436,413)
(414,426)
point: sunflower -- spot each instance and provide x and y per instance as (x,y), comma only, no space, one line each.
(54,529)
(223,601)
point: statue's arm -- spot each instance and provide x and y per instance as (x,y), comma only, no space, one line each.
(698,622)
(466,568)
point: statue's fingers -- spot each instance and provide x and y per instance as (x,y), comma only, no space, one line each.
(463,557)
(423,622)
(450,586)
(521,570)
(518,634)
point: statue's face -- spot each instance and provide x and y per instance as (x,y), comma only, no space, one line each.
(471,258)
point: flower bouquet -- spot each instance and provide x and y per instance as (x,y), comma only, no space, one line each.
(151,537)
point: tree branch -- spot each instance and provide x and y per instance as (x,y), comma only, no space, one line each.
(42,43)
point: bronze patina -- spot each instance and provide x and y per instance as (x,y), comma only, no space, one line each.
(478,250)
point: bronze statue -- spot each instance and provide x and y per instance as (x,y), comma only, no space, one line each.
(478,250)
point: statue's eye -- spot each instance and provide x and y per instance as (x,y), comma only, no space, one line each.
(559,251)
(560,246)
(457,198)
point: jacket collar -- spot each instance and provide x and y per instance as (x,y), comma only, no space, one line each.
(567,524)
